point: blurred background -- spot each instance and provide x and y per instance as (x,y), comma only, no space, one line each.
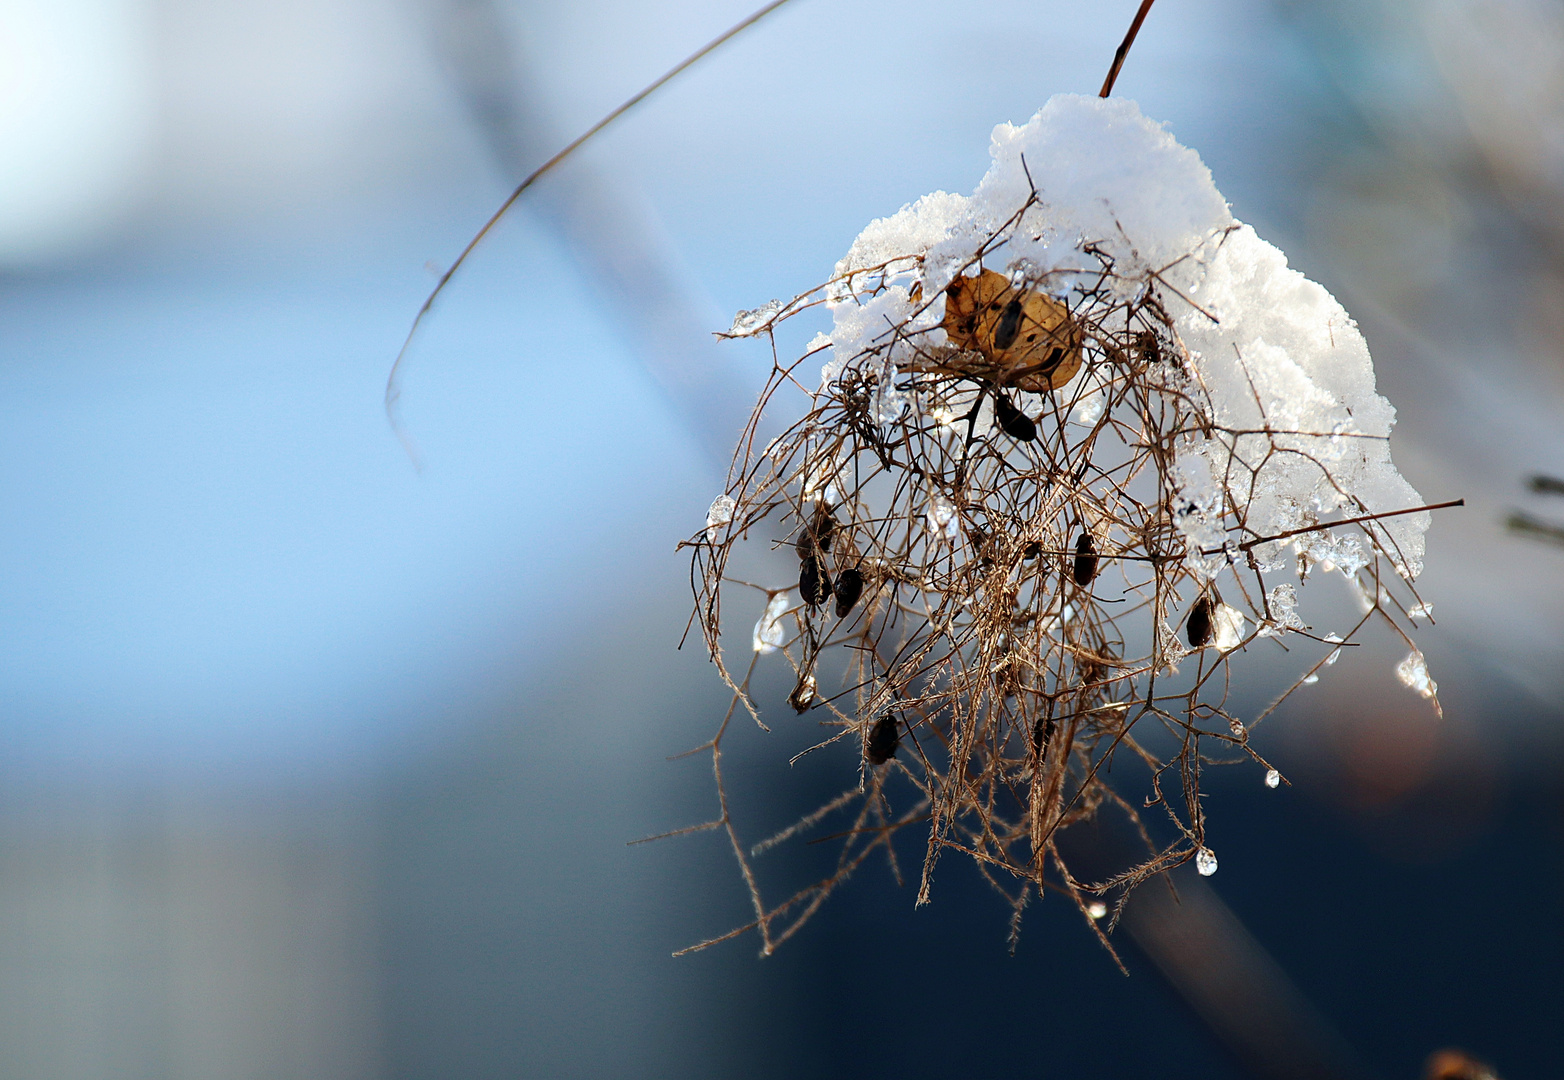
(317,764)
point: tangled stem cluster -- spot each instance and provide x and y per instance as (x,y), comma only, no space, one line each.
(995,601)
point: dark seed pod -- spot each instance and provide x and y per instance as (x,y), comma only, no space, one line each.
(825,529)
(1197,624)
(1085,567)
(1009,325)
(1043,733)
(814,585)
(1150,349)
(1032,549)
(849,587)
(1012,421)
(884,738)
(817,534)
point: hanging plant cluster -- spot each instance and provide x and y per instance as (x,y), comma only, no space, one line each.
(1078,439)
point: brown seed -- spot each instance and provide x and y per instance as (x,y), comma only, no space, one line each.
(1150,349)
(1042,733)
(1085,560)
(884,738)
(1032,549)
(849,587)
(814,585)
(1012,421)
(1197,624)
(816,534)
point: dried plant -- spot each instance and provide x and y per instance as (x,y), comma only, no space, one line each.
(1033,501)
(1032,525)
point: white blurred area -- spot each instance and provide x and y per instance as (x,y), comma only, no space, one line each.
(247,648)
(77,122)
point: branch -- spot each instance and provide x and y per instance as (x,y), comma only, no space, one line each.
(393,387)
(1257,541)
(1124,48)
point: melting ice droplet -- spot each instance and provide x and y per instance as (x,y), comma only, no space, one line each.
(1413,673)
(1205,862)
(747,323)
(720,514)
(1273,778)
(1096,909)
(941,519)
(768,631)
(1227,625)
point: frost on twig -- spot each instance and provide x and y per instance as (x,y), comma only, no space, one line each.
(1067,429)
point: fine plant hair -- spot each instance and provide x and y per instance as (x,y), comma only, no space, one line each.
(995,604)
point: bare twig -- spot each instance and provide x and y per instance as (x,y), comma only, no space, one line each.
(393,386)
(1124,47)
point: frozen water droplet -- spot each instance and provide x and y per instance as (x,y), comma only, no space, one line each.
(720,514)
(1420,611)
(941,519)
(768,631)
(1205,862)
(1413,673)
(1096,909)
(1310,680)
(1273,778)
(1335,654)
(746,323)
(1237,728)
(1227,625)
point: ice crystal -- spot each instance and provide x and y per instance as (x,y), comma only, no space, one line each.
(768,629)
(1413,673)
(720,514)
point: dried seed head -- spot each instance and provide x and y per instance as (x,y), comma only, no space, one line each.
(975,530)
(1027,338)
(1043,732)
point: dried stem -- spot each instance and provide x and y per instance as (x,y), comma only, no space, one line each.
(1124,48)
(996,580)
(393,384)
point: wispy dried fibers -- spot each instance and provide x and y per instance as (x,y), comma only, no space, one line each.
(1064,434)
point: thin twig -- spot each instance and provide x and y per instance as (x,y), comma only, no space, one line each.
(1124,48)
(1257,541)
(393,387)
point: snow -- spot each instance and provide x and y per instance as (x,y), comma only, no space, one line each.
(1276,360)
